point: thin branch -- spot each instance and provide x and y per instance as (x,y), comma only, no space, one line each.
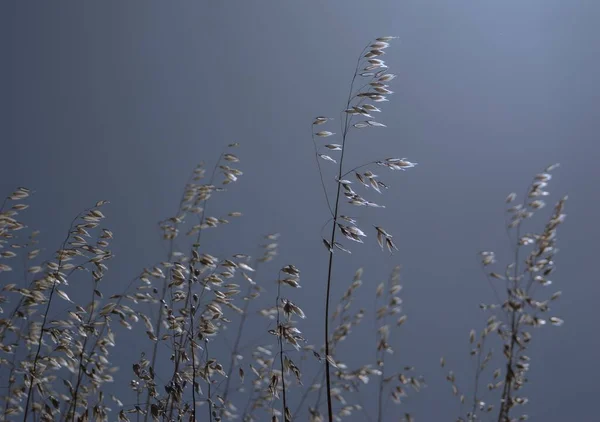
(280,332)
(42,328)
(332,242)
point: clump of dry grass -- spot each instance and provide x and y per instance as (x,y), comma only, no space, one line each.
(57,362)
(44,348)
(518,310)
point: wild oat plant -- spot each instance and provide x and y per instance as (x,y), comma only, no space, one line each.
(523,304)
(57,342)
(368,86)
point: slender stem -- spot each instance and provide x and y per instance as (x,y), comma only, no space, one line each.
(160,311)
(282,378)
(332,241)
(208,400)
(196,246)
(320,171)
(81,366)
(247,407)
(193,353)
(280,330)
(11,380)
(503,415)
(356,168)
(236,345)
(238,337)
(380,392)
(327,295)
(382,355)
(478,371)
(42,328)
(306,391)
(137,404)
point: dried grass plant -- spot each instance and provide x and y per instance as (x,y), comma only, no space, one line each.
(57,341)
(518,309)
(372,72)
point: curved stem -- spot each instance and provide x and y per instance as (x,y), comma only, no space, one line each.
(478,371)
(332,241)
(238,338)
(159,319)
(73,404)
(280,332)
(208,399)
(191,310)
(320,171)
(356,168)
(42,328)
(503,415)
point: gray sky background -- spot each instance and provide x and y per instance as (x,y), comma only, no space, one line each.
(120,100)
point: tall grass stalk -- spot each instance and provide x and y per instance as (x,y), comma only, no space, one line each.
(375,89)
